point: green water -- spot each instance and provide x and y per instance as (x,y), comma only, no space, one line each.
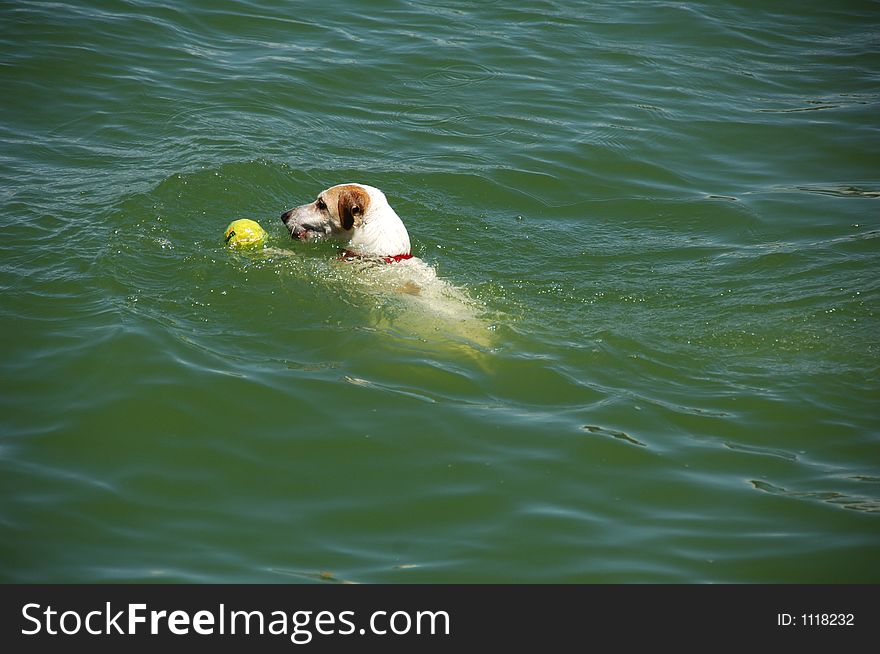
(668,215)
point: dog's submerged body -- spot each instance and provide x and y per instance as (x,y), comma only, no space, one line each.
(377,247)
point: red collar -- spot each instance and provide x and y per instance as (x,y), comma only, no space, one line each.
(397,258)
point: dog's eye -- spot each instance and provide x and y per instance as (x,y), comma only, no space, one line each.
(355,210)
(321,204)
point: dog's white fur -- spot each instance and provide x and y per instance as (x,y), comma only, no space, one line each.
(377,244)
(356,214)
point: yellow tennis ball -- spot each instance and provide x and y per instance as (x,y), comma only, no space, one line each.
(244,233)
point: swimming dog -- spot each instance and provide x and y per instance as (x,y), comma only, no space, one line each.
(374,237)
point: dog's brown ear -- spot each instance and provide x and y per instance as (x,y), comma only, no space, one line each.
(352,205)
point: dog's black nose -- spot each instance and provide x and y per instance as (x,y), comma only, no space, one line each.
(286,216)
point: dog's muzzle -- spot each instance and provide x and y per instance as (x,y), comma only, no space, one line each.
(298,229)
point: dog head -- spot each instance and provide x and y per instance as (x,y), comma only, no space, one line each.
(356,214)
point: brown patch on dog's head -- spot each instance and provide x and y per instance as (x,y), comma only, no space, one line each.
(352,203)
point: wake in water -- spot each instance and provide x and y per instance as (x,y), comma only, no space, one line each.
(427,306)
(406,298)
